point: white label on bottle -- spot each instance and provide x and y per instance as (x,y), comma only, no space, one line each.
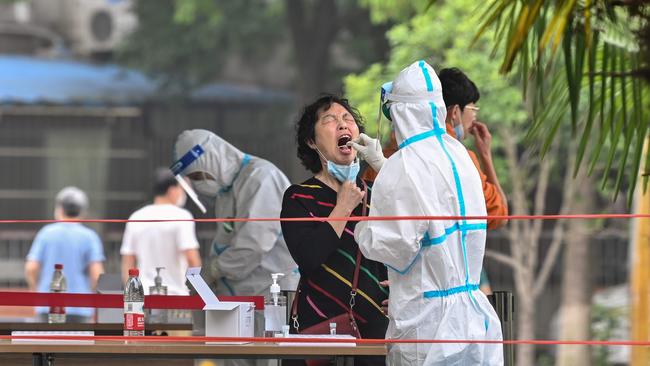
(134,307)
(275,316)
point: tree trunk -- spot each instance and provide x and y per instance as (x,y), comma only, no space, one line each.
(314,26)
(525,312)
(575,309)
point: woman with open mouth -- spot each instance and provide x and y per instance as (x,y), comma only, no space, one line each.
(325,251)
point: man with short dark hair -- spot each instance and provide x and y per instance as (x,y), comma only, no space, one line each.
(172,245)
(71,244)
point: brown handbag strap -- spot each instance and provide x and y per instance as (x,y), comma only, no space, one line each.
(355,279)
(357,266)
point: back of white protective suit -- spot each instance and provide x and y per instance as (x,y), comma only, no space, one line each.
(434,266)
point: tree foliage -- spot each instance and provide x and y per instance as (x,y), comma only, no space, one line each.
(597,50)
(186,43)
(442,37)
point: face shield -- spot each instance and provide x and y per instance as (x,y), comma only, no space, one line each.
(180,165)
(386,90)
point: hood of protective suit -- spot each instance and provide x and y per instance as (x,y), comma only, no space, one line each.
(220,159)
(414,92)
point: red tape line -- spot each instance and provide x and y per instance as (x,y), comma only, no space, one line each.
(10,298)
(199,339)
(357,218)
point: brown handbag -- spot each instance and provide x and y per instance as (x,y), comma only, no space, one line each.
(345,322)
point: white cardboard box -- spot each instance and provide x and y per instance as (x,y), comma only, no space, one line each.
(222,318)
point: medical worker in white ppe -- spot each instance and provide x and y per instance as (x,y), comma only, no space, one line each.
(243,254)
(434,265)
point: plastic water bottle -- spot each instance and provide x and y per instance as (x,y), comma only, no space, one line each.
(275,310)
(58,284)
(133,305)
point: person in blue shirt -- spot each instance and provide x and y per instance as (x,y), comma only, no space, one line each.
(72,244)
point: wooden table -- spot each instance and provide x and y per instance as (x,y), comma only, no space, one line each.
(45,352)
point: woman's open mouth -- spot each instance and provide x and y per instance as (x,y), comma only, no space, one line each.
(342,144)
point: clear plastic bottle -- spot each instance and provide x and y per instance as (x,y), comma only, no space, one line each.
(275,310)
(58,284)
(133,305)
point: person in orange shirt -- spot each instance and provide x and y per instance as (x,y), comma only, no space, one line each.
(461,95)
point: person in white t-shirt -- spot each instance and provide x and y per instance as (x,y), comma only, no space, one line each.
(173,245)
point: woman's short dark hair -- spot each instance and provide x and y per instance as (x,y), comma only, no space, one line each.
(457,88)
(305,128)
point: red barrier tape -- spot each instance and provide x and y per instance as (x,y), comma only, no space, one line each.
(356,218)
(198,339)
(9,298)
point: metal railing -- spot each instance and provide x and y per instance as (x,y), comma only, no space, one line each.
(504,304)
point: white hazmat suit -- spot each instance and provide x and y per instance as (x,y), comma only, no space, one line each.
(434,266)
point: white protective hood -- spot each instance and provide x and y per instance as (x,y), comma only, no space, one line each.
(435,265)
(221,159)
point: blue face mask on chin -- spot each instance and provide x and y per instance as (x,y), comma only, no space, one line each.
(459,131)
(341,172)
(344,172)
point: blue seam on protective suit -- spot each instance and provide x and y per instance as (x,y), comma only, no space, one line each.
(426,241)
(459,189)
(408,268)
(244,162)
(461,203)
(427,78)
(228,287)
(418,137)
(451,291)
(471,295)
(187,159)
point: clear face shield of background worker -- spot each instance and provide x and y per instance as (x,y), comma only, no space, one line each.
(180,165)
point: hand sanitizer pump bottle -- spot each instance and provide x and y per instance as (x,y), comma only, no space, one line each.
(158,315)
(275,309)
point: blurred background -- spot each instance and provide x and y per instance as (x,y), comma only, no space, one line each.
(94,92)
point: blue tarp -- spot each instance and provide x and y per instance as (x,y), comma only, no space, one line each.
(30,80)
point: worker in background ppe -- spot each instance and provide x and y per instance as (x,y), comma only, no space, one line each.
(434,265)
(243,254)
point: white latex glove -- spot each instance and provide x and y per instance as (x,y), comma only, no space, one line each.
(369,149)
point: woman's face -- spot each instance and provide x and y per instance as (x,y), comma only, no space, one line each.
(334,128)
